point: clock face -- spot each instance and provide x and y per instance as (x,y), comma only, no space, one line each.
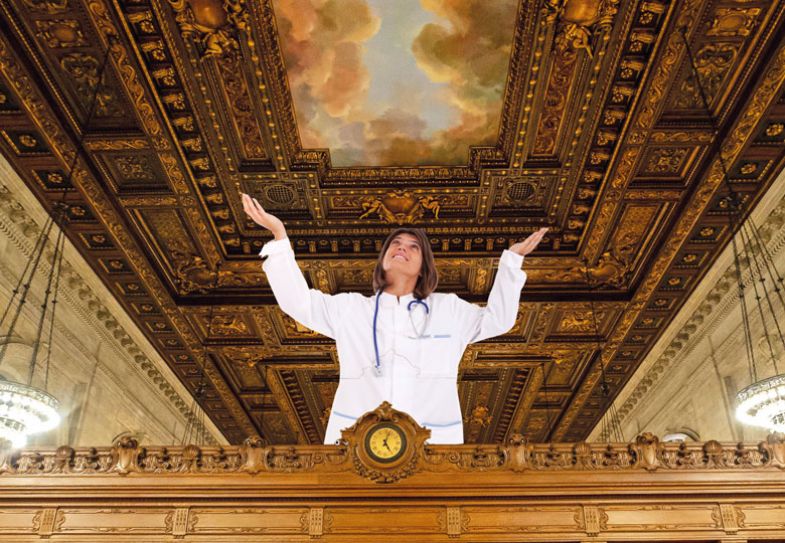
(385,442)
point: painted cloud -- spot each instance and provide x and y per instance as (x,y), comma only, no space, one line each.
(396,82)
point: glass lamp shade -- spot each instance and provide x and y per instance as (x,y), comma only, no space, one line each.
(763,404)
(25,410)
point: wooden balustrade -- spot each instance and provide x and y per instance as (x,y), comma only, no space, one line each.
(642,491)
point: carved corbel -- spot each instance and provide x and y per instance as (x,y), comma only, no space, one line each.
(125,456)
(730,517)
(646,451)
(579,20)
(773,448)
(518,453)
(320,276)
(254,456)
(595,520)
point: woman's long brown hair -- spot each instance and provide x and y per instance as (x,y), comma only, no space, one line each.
(428,279)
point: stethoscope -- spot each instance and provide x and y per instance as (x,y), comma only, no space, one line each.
(419,333)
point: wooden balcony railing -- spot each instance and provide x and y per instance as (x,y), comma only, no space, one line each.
(642,491)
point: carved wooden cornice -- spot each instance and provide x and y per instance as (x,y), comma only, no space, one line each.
(354,454)
(645,454)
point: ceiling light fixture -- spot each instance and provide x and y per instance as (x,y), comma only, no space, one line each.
(762,403)
(25,409)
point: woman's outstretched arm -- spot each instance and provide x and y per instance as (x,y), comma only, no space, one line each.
(499,314)
(310,307)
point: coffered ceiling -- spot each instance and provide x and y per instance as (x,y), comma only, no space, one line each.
(480,121)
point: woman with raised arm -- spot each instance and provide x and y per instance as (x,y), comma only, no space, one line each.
(403,344)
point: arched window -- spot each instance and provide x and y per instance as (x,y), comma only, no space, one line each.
(680,435)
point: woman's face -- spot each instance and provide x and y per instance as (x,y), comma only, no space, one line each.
(404,256)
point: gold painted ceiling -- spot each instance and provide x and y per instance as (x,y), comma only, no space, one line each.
(601,136)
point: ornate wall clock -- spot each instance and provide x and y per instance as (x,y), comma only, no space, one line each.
(385,444)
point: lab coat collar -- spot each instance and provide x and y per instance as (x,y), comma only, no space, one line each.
(387,300)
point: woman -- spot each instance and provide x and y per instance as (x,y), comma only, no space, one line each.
(404,343)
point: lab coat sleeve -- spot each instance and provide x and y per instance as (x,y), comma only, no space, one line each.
(310,307)
(499,314)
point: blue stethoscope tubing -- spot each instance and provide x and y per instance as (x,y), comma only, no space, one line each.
(378,364)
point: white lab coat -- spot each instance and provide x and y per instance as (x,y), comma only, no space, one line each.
(419,376)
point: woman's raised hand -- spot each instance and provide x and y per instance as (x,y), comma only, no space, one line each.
(258,215)
(526,246)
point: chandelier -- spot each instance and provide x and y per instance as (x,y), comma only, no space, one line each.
(24,408)
(762,403)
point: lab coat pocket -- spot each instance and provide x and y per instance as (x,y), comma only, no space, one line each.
(438,361)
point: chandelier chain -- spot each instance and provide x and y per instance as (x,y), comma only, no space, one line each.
(54,310)
(25,290)
(733,202)
(45,303)
(19,283)
(611,424)
(749,242)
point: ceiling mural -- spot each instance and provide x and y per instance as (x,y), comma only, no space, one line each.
(479,121)
(396,83)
